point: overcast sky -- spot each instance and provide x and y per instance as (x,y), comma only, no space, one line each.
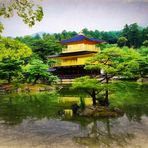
(74,15)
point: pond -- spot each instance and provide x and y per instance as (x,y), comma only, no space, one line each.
(37,120)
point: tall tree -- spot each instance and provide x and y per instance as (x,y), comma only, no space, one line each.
(12,55)
(115,62)
(36,70)
(10,69)
(42,46)
(125,31)
(48,45)
(144,34)
(13,50)
(133,34)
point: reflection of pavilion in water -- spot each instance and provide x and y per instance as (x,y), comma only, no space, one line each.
(73,58)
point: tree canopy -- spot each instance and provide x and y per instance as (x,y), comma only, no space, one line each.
(122,41)
(143,61)
(12,49)
(42,46)
(26,9)
(36,70)
(12,55)
(114,62)
(89,85)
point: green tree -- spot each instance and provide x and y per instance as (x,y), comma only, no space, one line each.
(46,46)
(143,61)
(144,35)
(12,49)
(89,85)
(12,55)
(115,62)
(42,46)
(122,41)
(125,31)
(145,43)
(28,40)
(37,70)
(133,34)
(110,37)
(10,69)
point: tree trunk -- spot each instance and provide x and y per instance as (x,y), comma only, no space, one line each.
(106,95)
(37,77)
(94,98)
(106,98)
(9,78)
(125,44)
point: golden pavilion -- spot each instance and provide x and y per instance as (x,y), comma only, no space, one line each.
(73,58)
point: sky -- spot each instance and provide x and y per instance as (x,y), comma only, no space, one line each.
(74,15)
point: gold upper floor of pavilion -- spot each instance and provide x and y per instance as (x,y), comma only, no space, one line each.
(77,51)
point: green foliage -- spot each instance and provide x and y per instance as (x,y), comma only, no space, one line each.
(113,61)
(10,70)
(110,37)
(122,41)
(102,46)
(144,35)
(28,40)
(116,62)
(36,70)
(143,51)
(133,33)
(26,9)
(143,61)
(47,45)
(89,85)
(12,49)
(86,83)
(145,43)
(65,35)
(12,55)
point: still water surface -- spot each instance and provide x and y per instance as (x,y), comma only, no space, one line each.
(37,120)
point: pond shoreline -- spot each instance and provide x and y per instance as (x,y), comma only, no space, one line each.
(20,88)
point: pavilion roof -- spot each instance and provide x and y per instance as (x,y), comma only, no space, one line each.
(81,38)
